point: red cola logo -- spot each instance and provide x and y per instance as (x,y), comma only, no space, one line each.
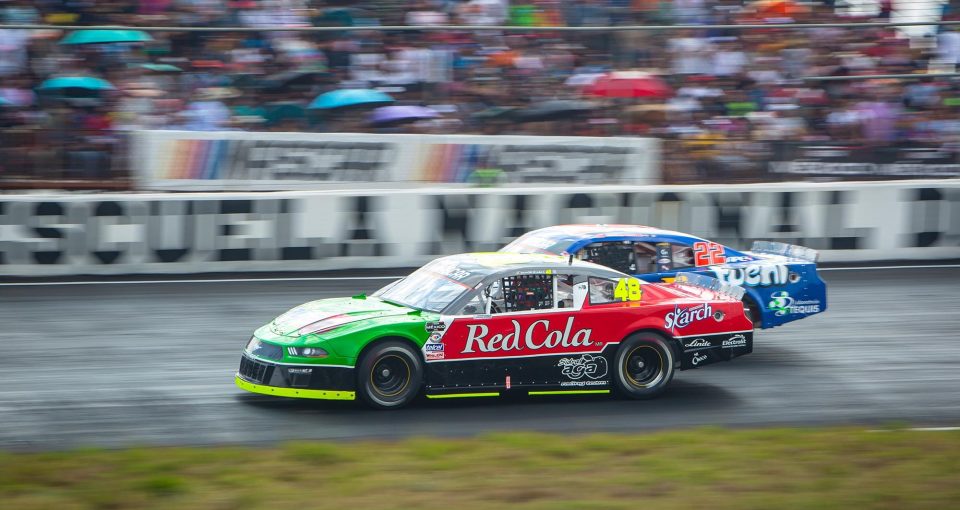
(538,335)
(683,317)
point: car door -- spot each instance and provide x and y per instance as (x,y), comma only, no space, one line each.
(527,321)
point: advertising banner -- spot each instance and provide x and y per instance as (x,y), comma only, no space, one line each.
(195,160)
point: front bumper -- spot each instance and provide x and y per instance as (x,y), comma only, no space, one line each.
(328,382)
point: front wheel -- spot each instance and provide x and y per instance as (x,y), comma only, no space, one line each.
(389,375)
(644,364)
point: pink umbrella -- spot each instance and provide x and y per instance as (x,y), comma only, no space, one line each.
(629,84)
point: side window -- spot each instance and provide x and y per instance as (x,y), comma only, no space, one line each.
(683,256)
(564,291)
(616,255)
(602,290)
(474,307)
(528,292)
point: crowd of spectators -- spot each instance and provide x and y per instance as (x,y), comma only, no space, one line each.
(732,92)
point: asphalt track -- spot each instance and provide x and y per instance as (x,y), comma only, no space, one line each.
(152,364)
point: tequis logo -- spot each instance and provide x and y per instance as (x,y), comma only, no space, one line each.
(538,335)
(682,317)
(784,304)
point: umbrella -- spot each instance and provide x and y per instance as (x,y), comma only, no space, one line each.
(555,109)
(106,36)
(75,82)
(161,68)
(583,79)
(386,115)
(629,84)
(779,7)
(349,97)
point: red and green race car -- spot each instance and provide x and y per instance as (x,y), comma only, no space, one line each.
(486,324)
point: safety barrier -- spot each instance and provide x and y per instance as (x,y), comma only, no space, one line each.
(202,232)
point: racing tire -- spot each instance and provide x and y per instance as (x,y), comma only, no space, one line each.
(389,375)
(644,366)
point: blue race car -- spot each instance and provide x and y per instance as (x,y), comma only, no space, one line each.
(780,280)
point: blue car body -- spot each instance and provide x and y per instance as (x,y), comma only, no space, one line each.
(780,280)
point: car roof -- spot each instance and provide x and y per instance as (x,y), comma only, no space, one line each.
(608,230)
(488,263)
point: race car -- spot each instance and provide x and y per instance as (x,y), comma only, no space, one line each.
(781,280)
(485,324)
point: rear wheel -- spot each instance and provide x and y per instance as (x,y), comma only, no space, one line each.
(644,364)
(389,375)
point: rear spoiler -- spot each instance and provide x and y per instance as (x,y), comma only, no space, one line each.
(709,283)
(787,250)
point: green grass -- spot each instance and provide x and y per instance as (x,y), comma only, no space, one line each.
(704,468)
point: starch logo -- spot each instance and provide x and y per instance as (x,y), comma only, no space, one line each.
(685,316)
(538,335)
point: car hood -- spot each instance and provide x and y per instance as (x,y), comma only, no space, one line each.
(333,312)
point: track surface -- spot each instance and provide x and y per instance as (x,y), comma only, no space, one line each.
(153,364)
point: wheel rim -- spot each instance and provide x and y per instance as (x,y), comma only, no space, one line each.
(390,375)
(643,366)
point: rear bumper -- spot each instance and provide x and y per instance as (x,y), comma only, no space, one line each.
(327,382)
(699,351)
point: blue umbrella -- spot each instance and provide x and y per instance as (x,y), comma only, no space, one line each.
(106,36)
(400,114)
(349,97)
(76,82)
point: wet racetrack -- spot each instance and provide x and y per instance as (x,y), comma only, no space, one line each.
(146,364)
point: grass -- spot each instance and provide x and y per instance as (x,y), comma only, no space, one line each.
(702,468)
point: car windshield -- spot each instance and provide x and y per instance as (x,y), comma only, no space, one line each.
(539,242)
(432,287)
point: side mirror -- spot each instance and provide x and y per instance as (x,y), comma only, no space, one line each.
(579,295)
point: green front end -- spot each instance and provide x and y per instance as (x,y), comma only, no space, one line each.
(311,351)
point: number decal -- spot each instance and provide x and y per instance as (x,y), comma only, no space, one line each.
(628,289)
(708,254)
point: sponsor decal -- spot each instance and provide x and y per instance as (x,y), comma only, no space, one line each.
(697,358)
(754,275)
(697,344)
(434,338)
(738,258)
(434,326)
(784,304)
(538,335)
(682,317)
(587,365)
(433,347)
(434,355)
(734,341)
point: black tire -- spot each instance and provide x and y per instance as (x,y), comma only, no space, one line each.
(644,366)
(751,310)
(389,375)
